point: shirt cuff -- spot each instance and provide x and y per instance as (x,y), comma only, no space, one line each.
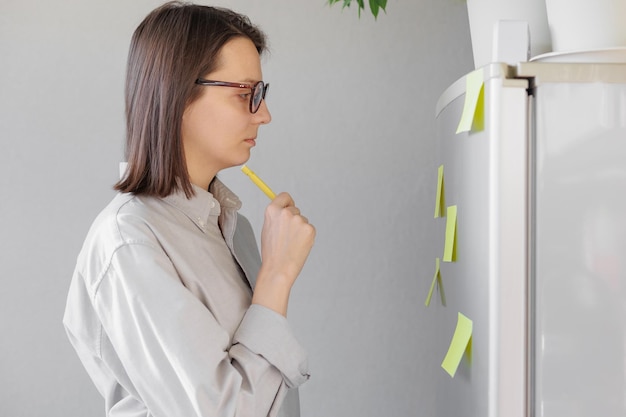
(268,334)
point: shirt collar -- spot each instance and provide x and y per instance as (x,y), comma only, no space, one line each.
(205,204)
(224,195)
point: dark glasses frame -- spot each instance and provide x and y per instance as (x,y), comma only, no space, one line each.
(257,95)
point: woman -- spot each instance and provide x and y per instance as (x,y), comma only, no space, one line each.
(170,309)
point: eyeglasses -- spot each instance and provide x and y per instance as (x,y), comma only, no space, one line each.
(259,90)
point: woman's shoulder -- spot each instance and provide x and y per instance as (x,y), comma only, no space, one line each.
(125,220)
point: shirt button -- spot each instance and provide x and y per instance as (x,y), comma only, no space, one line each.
(212,204)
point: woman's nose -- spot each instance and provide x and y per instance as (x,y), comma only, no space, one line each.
(263,115)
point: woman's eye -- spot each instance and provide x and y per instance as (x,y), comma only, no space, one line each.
(245,95)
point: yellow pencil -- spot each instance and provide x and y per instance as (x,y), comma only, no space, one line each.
(259,183)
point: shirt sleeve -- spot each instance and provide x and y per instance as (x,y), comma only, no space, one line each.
(178,358)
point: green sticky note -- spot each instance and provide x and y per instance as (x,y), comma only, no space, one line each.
(440,203)
(436,281)
(449,250)
(473,115)
(461,342)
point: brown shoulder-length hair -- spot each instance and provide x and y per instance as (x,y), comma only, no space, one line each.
(175,44)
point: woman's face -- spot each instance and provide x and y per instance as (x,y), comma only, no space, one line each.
(218,129)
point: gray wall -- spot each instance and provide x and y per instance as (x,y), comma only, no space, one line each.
(352,138)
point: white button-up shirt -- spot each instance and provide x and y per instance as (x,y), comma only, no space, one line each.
(159,311)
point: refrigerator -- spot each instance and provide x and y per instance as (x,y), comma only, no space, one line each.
(532,158)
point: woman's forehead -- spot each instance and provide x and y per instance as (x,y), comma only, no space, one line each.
(239,58)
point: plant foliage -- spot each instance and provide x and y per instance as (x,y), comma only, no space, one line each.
(375,5)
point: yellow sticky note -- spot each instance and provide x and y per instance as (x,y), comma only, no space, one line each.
(432,284)
(473,115)
(461,342)
(436,280)
(440,287)
(440,203)
(449,250)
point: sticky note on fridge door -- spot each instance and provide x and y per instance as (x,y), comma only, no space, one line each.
(440,203)
(473,116)
(436,281)
(460,343)
(449,249)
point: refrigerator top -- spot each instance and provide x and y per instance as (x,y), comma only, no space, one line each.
(539,73)
(549,72)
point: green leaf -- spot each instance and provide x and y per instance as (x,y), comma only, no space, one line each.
(361,6)
(375,5)
(345,2)
(378,4)
(374,8)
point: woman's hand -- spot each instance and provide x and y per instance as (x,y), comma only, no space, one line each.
(286,241)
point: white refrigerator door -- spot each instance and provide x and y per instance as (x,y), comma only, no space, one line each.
(485,175)
(579,280)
